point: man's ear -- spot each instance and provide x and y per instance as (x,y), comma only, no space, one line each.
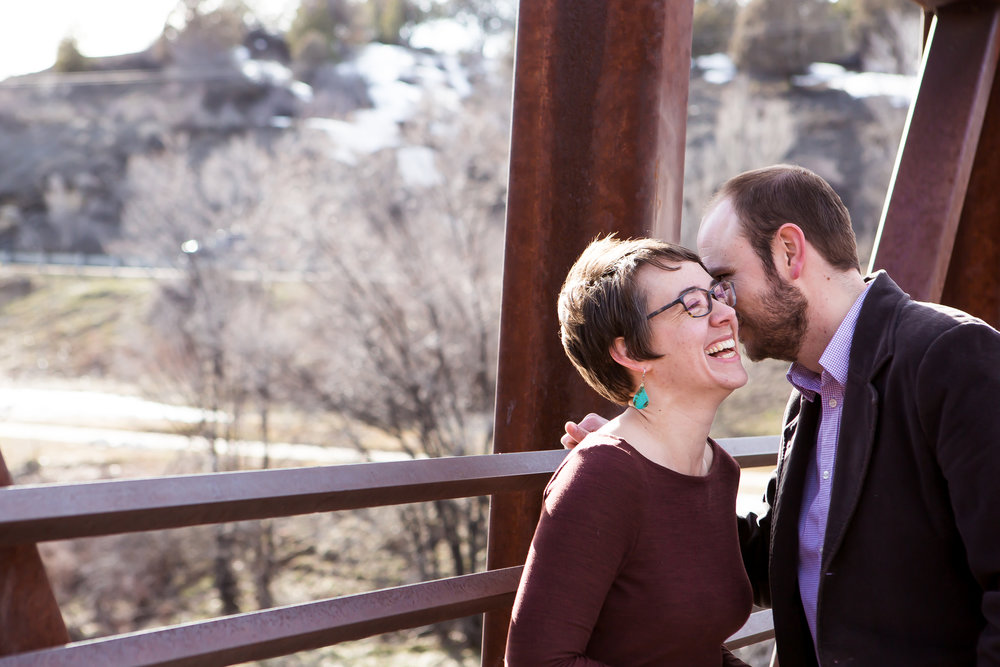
(619,352)
(788,249)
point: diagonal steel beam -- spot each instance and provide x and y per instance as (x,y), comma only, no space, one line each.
(29,615)
(931,179)
(973,280)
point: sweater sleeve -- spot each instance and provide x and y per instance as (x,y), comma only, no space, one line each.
(588,525)
(755,530)
(961,419)
(755,538)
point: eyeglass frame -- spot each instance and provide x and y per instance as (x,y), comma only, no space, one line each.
(710,296)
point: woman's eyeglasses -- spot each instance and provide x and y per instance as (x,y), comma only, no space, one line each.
(697,301)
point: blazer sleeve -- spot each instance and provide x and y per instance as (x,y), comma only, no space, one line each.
(730,660)
(755,530)
(755,540)
(589,523)
(957,388)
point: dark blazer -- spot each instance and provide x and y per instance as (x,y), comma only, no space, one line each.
(910,571)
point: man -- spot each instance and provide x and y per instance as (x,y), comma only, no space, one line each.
(881,542)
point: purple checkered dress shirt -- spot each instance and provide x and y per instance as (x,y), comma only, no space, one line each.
(829,387)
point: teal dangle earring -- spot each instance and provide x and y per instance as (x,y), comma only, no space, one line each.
(641,398)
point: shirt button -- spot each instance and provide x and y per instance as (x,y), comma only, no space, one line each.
(826,474)
(833,402)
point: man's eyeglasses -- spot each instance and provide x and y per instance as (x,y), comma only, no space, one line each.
(697,301)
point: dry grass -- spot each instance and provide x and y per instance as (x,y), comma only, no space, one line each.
(67,333)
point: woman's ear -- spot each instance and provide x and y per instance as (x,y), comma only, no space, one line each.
(789,250)
(619,352)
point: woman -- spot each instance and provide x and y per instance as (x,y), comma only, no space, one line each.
(635,560)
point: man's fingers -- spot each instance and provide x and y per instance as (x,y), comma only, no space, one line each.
(568,441)
(575,433)
(590,423)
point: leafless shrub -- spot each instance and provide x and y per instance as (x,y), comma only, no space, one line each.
(366,288)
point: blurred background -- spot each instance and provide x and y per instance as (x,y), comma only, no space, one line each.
(239,234)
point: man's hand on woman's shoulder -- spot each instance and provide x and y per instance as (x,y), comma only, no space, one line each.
(576,432)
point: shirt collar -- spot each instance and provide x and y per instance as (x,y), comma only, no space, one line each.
(835,359)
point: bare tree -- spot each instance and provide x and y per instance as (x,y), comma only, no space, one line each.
(217,335)
(409,303)
(400,254)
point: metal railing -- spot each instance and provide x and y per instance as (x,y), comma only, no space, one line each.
(43,512)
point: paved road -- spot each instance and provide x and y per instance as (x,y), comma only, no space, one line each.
(32,420)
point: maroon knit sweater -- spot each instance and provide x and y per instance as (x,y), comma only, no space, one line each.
(631,564)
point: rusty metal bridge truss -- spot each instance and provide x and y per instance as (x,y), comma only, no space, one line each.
(598,135)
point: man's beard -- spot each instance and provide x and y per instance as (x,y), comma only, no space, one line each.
(776,330)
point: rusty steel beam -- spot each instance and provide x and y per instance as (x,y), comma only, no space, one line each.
(44,512)
(940,145)
(37,513)
(973,280)
(597,145)
(293,628)
(284,630)
(60,511)
(752,451)
(29,616)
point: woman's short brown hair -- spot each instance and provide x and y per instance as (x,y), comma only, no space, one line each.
(600,301)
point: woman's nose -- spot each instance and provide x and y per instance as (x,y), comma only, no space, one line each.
(722,313)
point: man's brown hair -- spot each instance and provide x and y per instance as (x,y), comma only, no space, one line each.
(764,199)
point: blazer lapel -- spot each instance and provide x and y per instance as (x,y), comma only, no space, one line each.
(871,347)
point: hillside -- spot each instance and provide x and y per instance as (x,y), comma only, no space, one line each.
(331,242)
(72,141)
(68,139)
